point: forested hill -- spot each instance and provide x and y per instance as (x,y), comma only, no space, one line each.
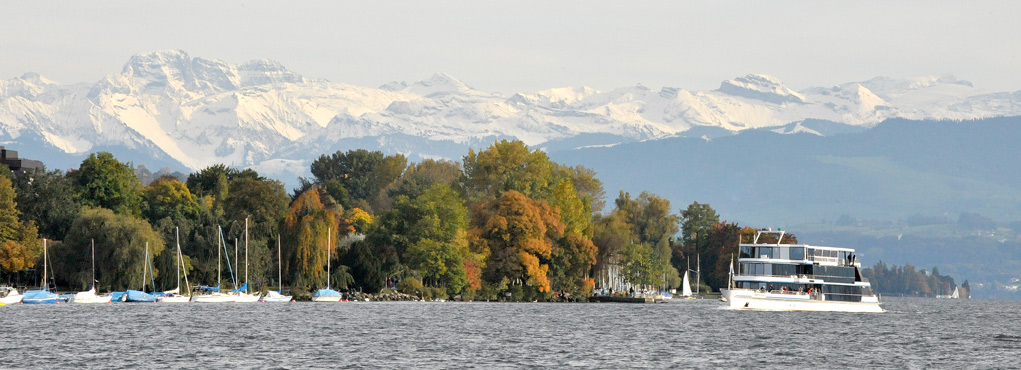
(896,170)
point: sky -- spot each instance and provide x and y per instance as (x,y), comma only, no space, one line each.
(525,46)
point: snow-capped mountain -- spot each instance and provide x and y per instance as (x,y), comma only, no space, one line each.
(173,109)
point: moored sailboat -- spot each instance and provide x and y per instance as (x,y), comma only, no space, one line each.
(141,295)
(42,296)
(277,296)
(90,296)
(10,295)
(327,295)
(174,295)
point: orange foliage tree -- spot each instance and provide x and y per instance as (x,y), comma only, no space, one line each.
(304,234)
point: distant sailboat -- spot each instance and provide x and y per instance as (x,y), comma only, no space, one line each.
(956,294)
(42,296)
(241,294)
(277,296)
(686,286)
(90,296)
(213,294)
(174,296)
(327,295)
(141,295)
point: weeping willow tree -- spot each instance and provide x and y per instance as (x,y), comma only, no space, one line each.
(312,220)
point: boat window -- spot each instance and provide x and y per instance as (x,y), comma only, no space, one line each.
(764,252)
(797,253)
(810,252)
(785,253)
(746,252)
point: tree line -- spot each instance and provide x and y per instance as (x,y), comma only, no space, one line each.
(506,222)
(907,281)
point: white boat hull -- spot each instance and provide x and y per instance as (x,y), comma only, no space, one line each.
(94,299)
(280,299)
(245,298)
(11,299)
(326,299)
(756,300)
(213,298)
(175,299)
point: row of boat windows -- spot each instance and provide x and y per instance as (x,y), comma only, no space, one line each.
(848,293)
(790,253)
(836,274)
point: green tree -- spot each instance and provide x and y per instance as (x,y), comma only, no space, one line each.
(697,221)
(103,181)
(48,199)
(120,250)
(364,174)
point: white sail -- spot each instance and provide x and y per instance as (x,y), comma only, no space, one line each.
(685,286)
(956,294)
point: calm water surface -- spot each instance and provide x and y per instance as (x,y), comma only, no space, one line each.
(914,333)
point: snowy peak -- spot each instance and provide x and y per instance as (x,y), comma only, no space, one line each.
(761,87)
(890,87)
(439,84)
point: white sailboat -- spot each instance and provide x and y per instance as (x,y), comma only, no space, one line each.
(213,294)
(174,296)
(277,296)
(241,294)
(90,296)
(327,295)
(686,287)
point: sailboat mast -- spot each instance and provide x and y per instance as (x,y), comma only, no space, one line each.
(698,273)
(246,254)
(180,261)
(234,273)
(93,282)
(177,240)
(219,257)
(280,267)
(328,237)
(46,284)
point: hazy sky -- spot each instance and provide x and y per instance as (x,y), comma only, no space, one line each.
(511,46)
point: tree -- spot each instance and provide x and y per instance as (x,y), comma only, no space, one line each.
(167,197)
(364,174)
(120,250)
(48,199)
(517,232)
(103,181)
(305,233)
(19,244)
(697,221)
(504,166)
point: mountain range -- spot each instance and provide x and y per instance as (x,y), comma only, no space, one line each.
(168,109)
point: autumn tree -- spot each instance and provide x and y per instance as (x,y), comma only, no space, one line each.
(518,233)
(19,244)
(363,174)
(504,166)
(167,197)
(305,231)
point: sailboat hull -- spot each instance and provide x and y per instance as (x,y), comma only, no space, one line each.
(139,296)
(40,297)
(175,299)
(12,298)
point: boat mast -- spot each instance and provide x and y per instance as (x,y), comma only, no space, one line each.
(219,257)
(280,267)
(328,237)
(698,274)
(246,254)
(234,273)
(180,261)
(46,284)
(93,282)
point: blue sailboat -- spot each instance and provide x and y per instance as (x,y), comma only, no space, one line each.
(42,296)
(327,295)
(141,295)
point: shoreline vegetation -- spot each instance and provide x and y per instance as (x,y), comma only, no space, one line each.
(504,224)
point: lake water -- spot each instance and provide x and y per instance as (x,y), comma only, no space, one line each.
(913,333)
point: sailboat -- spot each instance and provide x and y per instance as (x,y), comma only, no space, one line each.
(686,287)
(327,295)
(90,296)
(43,295)
(956,294)
(141,295)
(277,296)
(174,296)
(241,294)
(213,294)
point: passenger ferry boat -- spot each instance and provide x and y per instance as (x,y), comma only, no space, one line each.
(798,277)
